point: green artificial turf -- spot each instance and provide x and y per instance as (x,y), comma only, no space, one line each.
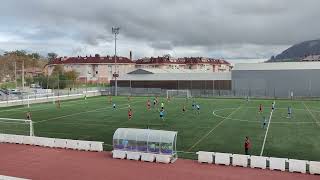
(221,131)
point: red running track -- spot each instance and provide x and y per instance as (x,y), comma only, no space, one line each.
(58,164)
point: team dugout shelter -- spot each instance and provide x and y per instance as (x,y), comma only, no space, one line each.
(175,79)
(145,144)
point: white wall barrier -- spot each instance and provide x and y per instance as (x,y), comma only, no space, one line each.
(48,142)
(277,163)
(314,167)
(297,166)
(161,158)
(2,138)
(118,154)
(133,155)
(96,146)
(222,158)
(148,157)
(28,140)
(240,160)
(7,138)
(60,143)
(2,177)
(205,157)
(39,141)
(14,139)
(258,162)
(52,142)
(72,144)
(84,145)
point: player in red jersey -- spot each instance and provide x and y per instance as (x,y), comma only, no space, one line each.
(129,113)
(260,108)
(148,104)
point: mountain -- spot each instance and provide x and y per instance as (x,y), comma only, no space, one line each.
(298,51)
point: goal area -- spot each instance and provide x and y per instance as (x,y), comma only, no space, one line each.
(16,126)
(178,93)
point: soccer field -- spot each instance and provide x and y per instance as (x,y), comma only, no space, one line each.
(221,126)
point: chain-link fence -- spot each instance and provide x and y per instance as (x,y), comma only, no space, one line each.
(242,93)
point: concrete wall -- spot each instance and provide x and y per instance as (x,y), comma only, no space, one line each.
(278,83)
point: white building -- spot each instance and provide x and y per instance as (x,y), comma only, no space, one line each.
(101,69)
(94,69)
(193,63)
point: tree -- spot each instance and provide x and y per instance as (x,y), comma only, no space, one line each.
(58,69)
(35,56)
(52,56)
(16,53)
(72,75)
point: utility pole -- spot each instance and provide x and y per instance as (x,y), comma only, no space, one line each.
(115,31)
(15,74)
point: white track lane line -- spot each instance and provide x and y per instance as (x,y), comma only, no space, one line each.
(265,136)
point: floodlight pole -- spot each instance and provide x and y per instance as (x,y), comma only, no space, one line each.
(115,31)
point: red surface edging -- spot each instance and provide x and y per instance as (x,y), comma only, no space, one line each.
(39,163)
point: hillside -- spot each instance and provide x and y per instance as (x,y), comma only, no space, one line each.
(298,51)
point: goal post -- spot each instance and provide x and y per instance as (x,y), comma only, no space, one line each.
(178,93)
(45,97)
(16,126)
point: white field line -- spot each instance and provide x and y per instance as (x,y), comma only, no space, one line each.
(215,127)
(95,110)
(258,122)
(312,115)
(265,136)
(69,103)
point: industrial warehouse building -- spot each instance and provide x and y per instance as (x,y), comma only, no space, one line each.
(175,79)
(157,81)
(302,79)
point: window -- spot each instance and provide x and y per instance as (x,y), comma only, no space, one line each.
(96,72)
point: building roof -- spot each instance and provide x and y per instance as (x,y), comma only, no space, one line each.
(174,74)
(184,60)
(153,60)
(276,66)
(157,71)
(91,59)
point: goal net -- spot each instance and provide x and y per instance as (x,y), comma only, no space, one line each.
(16,126)
(178,93)
(40,98)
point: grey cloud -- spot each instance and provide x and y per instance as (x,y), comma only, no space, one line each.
(167,25)
(162,45)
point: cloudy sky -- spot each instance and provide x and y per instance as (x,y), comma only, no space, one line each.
(232,29)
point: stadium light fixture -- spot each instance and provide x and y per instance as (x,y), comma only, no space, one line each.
(115,31)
